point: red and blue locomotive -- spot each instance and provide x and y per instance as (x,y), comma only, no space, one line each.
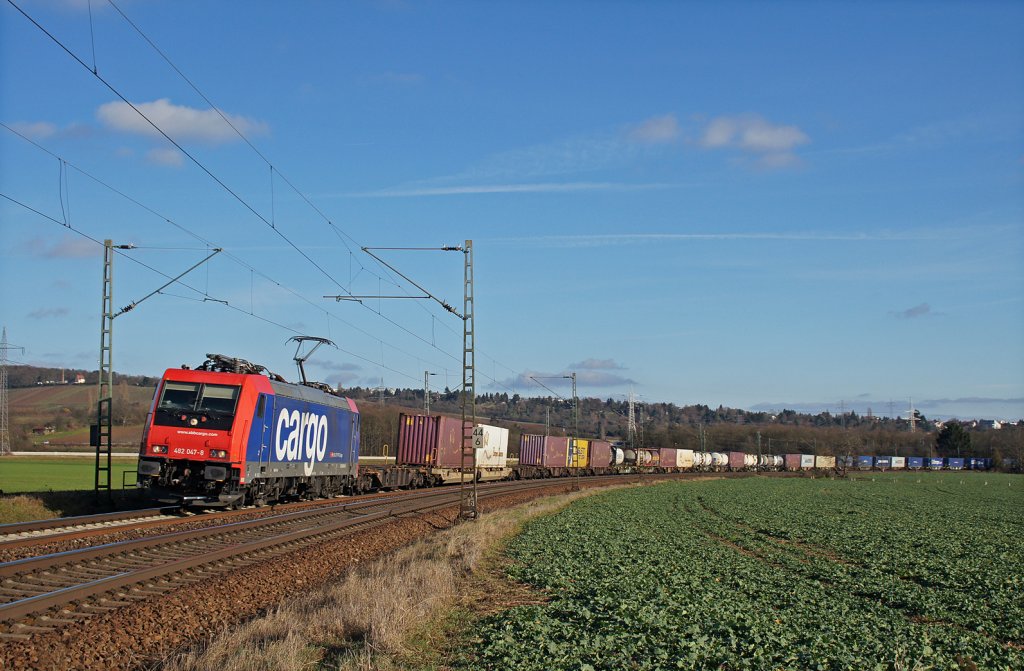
(229,433)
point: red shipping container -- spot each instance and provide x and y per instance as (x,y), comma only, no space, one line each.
(531,449)
(430,441)
(667,457)
(736,460)
(549,451)
(792,462)
(600,454)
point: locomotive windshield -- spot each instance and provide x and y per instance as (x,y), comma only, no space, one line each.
(194,404)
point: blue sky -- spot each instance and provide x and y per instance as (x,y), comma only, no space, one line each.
(761,205)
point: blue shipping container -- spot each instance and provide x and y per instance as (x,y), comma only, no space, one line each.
(883,462)
(865,463)
(915,462)
(955,463)
(935,463)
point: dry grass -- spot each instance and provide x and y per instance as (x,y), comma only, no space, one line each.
(22,508)
(379,616)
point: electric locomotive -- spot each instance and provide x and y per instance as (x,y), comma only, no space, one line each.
(230,433)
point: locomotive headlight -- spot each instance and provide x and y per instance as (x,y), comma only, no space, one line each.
(219,454)
(159,449)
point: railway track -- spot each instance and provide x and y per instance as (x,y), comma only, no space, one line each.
(67,526)
(17,537)
(40,594)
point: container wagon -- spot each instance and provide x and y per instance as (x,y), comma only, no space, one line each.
(430,453)
(667,458)
(600,456)
(549,456)
(915,463)
(934,463)
(865,463)
(899,463)
(737,461)
(672,459)
(955,463)
(823,462)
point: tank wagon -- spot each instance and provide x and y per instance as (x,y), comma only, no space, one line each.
(230,433)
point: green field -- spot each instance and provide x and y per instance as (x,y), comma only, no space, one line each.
(895,573)
(58,474)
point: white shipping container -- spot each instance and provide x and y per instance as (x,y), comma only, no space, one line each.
(684,458)
(824,462)
(806,461)
(899,462)
(491,445)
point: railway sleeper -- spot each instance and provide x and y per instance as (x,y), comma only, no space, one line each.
(59,621)
(22,628)
(90,609)
(9,636)
(74,615)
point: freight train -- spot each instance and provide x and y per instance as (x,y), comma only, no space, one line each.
(230,433)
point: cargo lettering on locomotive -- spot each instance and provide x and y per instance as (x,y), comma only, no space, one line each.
(301,436)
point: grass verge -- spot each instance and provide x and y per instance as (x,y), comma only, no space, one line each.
(19,475)
(398,612)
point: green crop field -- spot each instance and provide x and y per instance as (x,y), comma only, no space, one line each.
(893,573)
(32,474)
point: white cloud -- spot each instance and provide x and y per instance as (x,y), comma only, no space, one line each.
(594,376)
(178,121)
(656,130)
(43,313)
(770,145)
(34,129)
(68,247)
(169,157)
(597,364)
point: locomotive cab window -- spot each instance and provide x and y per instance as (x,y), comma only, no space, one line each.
(193,404)
(217,398)
(179,396)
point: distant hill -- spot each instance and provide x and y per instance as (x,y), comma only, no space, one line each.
(32,376)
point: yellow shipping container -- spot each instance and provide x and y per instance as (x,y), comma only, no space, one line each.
(580,457)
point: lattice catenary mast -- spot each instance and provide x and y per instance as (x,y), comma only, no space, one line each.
(5,435)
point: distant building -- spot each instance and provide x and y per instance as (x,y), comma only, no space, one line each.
(79,378)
